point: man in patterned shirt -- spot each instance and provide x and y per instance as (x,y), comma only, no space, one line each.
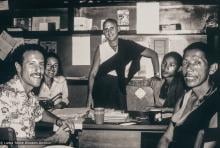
(19,107)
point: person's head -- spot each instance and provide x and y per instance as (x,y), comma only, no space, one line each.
(29,64)
(110,29)
(171,64)
(52,65)
(198,64)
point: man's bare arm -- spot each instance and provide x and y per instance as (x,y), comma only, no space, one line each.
(92,74)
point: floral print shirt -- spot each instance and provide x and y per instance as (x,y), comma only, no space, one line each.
(19,110)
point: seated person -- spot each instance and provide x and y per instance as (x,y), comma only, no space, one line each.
(19,107)
(54,85)
(198,107)
(171,87)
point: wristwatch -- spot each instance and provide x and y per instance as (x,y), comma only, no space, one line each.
(59,122)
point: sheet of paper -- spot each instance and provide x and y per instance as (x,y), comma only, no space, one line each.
(150,22)
(7,43)
(81,50)
(82,23)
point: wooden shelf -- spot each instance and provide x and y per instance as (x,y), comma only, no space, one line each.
(133,32)
(38,33)
(94,32)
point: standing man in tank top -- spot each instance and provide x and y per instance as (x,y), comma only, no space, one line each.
(107,80)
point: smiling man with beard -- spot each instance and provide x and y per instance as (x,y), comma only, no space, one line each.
(199,106)
(19,107)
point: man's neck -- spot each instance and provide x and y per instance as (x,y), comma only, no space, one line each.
(27,88)
(114,44)
(202,89)
(169,80)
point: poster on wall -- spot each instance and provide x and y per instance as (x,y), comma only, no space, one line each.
(81,50)
(123,19)
(49,46)
(150,22)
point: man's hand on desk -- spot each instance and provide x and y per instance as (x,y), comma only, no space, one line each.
(60,137)
(68,124)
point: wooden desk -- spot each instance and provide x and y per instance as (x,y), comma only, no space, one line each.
(118,136)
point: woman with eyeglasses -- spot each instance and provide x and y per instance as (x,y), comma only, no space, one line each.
(54,85)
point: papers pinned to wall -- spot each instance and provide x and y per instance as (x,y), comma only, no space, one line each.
(81,50)
(150,22)
(7,43)
(49,46)
(123,19)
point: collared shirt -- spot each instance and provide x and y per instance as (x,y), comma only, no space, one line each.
(19,110)
(179,116)
(59,85)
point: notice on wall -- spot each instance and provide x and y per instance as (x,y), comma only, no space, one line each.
(123,19)
(150,22)
(81,50)
(49,46)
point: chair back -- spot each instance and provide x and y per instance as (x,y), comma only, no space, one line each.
(8,137)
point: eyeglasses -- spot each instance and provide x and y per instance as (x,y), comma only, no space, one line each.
(49,66)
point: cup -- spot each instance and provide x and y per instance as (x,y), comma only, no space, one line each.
(99,115)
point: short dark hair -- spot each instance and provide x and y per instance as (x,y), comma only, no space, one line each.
(204,48)
(17,55)
(110,20)
(176,56)
(54,55)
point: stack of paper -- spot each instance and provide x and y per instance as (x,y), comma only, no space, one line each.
(115,116)
(70,112)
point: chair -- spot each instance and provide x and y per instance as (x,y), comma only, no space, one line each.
(207,135)
(8,137)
